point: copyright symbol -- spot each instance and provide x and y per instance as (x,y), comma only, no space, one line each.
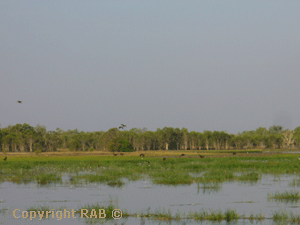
(117,214)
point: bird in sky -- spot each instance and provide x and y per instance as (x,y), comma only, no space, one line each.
(19,101)
(122,126)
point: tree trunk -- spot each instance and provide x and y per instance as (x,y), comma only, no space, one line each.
(207,144)
(167,146)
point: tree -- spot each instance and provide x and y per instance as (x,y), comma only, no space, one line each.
(275,129)
(120,144)
(207,139)
(287,138)
(184,138)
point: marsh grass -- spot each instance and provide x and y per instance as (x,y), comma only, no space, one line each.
(283,216)
(174,171)
(287,196)
(295,183)
(45,178)
(215,215)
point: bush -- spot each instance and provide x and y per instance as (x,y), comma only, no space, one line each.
(120,145)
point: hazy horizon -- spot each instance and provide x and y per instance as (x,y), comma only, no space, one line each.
(205,65)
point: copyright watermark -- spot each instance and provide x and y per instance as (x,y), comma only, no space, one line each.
(59,215)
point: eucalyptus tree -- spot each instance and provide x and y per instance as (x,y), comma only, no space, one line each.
(177,137)
(41,138)
(274,140)
(167,136)
(184,138)
(238,141)
(6,139)
(297,136)
(149,139)
(52,140)
(110,135)
(260,137)
(193,140)
(207,139)
(287,138)
(275,129)
(99,144)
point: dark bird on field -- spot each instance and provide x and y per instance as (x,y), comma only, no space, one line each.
(115,154)
(5,159)
(121,153)
(147,161)
(142,155)
(182,155)
(164,159)
(201,156)
(234,153)
(19,101)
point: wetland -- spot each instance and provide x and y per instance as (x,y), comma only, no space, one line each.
(219,188)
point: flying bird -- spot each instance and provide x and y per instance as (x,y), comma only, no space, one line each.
(201,156)
(5,159)
(19,101)
(123,125)
(142,155)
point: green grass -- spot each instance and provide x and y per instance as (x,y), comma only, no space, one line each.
(45,178)
(174,171)
(283,216)
(287,196)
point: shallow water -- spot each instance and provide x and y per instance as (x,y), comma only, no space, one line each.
(143,196)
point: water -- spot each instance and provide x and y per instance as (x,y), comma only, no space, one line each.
(143,196)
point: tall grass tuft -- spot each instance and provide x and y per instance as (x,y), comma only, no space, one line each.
(286,196)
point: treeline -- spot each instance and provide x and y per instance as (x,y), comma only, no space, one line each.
(25,138)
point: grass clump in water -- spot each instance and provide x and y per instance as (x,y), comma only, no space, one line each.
(45,178)
(228,215)
(286,217)
(285,196)
(162,215)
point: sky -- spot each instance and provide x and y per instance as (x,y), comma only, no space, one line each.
(203,65)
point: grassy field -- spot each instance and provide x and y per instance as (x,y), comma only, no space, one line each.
(216,166)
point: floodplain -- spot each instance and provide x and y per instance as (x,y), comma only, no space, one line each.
(159,187)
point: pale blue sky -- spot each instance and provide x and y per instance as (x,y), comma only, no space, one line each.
(203,65)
